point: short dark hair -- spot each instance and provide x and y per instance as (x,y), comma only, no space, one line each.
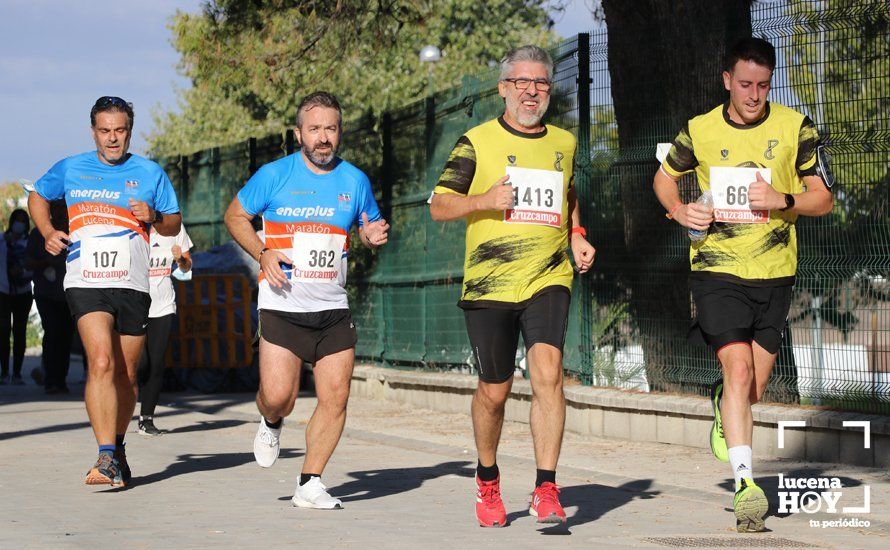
(112,104)
(318,99)
(753,49)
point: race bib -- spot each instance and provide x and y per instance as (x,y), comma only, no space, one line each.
(105,259)
(160,262)
(537,196)
(317,257)
(729,187)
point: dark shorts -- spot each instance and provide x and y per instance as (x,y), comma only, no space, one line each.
(128,307)
(728,313)
(494,332)
(309,336)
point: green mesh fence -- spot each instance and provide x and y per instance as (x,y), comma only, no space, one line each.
(630,315)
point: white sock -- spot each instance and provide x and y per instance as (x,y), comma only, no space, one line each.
(740,459)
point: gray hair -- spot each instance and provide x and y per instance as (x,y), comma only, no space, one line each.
(526,53)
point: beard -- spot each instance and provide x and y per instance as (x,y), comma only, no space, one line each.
(322,160)
(524,118)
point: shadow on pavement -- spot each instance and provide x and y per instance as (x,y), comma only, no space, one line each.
(371,484)
(593,502)
(194,463)
(770,486)
(205,425)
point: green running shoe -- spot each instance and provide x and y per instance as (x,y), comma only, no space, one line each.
(750,506)
(718,442)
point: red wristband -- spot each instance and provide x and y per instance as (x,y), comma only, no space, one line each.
(580,231)
(670,215)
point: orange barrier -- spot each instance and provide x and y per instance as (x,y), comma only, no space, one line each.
(210,333)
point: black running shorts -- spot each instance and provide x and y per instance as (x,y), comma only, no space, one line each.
(728,313)
(494,332)
(128,307)
(309,336)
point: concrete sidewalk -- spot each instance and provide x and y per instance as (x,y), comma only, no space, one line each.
(404,474)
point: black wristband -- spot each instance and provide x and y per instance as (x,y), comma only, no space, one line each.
(158,217)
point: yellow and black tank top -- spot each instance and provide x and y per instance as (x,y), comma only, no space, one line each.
(507,264)
(785,141)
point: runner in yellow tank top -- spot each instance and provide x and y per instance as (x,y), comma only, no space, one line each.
(742,273)
(511,178)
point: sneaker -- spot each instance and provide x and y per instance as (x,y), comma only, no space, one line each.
(490,510)
(105,472)
(265,444)
(16,380)
(718,442)
(750,506)
(120,456)
(147,426)
(315,495)
(545,504)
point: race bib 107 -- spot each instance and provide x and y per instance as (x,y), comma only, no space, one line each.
(729,188)
(105,259)
(537,196)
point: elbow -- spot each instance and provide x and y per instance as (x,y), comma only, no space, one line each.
(435,214)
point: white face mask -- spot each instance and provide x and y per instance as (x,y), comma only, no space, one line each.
(18,227)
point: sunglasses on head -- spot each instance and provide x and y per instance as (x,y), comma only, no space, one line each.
(112,101)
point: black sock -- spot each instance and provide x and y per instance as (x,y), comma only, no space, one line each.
(545,476)
(119,440)
(304,478)
(274,425)
(487,473)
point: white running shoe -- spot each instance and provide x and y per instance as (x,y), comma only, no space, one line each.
(265,444)
(314,495)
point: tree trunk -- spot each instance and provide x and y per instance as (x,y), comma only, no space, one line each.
(665,63)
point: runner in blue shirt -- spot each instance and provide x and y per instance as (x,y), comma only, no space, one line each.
(308,201)
(113,199)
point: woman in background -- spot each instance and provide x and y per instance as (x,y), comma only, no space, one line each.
(169,256)
(16,297)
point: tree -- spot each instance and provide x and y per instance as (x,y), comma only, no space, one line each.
(250,61)
(665,61)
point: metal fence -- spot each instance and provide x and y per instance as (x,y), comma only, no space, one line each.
(834,62)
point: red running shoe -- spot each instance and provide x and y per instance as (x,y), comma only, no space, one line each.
(545,504)
(490,510)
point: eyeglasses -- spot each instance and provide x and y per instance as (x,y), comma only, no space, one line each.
(112,101)
(541,84)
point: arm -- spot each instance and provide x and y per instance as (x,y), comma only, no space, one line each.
(238,223)
(373,234)
(446,207)
(56,241)
(582,251)
(167,225)
(817,200)
(692,215)
(183,259)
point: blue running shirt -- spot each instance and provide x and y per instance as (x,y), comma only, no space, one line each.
(307,216)
(109,246)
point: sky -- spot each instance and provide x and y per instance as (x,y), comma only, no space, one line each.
(58,56)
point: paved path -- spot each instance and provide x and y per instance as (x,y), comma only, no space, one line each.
(404,474)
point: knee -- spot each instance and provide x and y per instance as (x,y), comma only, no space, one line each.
(492,397)
(739,377)
(276,403)
(101,365)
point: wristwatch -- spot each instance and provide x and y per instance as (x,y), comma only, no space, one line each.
(158,217)
(789,202)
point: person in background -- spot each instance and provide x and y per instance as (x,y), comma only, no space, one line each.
(169,256)
(15,302)
(58,325)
